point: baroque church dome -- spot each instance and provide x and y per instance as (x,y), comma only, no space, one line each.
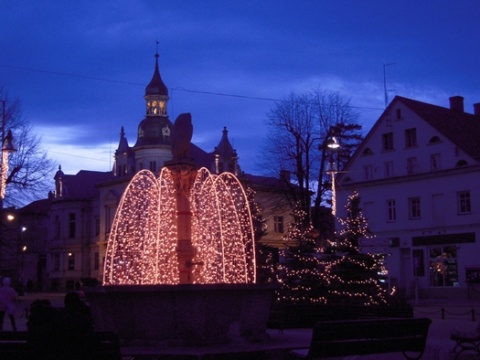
(156,128)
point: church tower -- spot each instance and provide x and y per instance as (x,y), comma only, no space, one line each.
(153,148)
(225,156)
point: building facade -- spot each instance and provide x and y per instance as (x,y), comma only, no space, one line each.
(76,218)
(417,172)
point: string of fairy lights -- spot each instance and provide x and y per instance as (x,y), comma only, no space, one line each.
(142,247)
(335,273)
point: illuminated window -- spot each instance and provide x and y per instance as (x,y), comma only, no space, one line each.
(463,202)
(278,224)
(443,266)
(414,208)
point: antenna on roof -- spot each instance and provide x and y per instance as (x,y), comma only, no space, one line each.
(385,82)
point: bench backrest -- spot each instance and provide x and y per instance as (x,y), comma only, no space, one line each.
(358,337)
(20,344)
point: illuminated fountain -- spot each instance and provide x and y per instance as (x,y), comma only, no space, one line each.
(143,247)
(180,261)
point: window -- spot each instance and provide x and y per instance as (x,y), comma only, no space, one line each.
(153,166)
(108,222)
(435,162)
(443,266)
(434,140)
(278,224)
(414,208)
(97,226)
(387,141)
(368,172)
(463,202)
(57,227)
(71,225)
(96,261)
(56,262)
(71,261)
(388,168)
(391,210)
(411,165)
(399,114)
(410,138)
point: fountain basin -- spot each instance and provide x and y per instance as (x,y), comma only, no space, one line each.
(183,315)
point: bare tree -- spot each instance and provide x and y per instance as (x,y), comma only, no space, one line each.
(30,170)
(290,145)
(299,128)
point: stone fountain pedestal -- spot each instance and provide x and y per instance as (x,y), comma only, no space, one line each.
(183,315)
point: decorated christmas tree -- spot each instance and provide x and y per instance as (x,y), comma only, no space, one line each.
(300,274)
(354,277)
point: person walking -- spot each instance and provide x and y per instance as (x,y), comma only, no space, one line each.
(8,297)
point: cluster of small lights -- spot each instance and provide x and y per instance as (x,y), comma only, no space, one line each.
(222,231)
(334,274)
(4,171)
(142,247)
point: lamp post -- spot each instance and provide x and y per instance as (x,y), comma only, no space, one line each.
(333,145)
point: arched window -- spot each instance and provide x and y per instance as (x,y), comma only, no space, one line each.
(461,163)
(434,140)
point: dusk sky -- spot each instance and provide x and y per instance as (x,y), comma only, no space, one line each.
(80,68)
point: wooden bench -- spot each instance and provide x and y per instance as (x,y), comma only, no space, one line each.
(466,341)
(20,345)
(368,336)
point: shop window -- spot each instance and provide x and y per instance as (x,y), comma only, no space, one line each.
(443,266)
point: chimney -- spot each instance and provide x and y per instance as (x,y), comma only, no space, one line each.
(476,109)
(285,175)
(456,103)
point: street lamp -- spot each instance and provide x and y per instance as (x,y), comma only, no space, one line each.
(333,145)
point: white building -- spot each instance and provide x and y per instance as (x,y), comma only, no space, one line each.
(418,176)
